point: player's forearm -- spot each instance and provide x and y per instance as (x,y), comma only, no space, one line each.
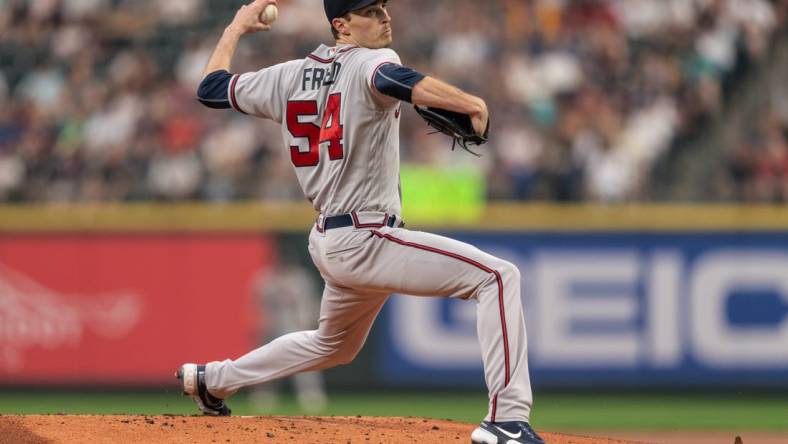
(222,56)
(246,21)
(438,94)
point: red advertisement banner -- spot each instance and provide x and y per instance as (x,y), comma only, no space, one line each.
(124,309)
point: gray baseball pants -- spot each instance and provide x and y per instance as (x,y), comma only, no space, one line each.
(362,265)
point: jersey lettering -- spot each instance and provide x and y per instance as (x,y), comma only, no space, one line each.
(337,143)
(333,75)
(316,78)
(331,130)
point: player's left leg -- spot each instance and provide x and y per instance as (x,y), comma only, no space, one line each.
(424,264)
(418,263)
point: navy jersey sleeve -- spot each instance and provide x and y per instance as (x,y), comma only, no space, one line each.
(213,90)
(396,81)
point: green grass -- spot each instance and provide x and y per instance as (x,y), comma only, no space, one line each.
(699,411)
(552,411)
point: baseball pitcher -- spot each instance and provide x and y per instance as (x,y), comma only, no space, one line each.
(339,108)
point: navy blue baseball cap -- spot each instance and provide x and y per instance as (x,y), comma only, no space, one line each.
(338,8)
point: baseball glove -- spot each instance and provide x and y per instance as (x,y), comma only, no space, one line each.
(455,125)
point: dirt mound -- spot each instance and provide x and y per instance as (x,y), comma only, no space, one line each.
(68,429)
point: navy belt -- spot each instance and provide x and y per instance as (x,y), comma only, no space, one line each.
(347,220)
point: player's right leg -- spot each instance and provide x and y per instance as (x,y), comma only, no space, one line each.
(346,315)
(345,319)
(192,379)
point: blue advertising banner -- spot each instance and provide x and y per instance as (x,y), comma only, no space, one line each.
(614,310)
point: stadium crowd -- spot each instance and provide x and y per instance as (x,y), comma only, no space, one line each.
(99,95)
(757,164)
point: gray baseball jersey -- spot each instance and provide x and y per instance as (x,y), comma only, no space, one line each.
(343,139)
(333,120)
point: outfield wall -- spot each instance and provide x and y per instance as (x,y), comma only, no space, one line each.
(615,296)
(616,309)
(123,308)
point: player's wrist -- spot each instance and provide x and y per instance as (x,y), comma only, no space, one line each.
(233,31)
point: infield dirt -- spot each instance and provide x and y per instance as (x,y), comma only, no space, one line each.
(68,429)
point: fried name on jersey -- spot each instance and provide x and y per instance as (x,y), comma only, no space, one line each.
(315,78)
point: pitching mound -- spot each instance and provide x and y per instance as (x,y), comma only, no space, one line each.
(69,429)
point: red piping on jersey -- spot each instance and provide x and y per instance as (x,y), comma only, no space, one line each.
(233,100)
(331,60)
(318,59)
(500,298)
(357,224)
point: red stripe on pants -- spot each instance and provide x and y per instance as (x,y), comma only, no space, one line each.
(498,279)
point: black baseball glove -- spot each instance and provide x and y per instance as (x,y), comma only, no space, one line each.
(455,125)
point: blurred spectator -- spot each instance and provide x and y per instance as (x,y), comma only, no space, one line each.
(42,87)
(757,168)
(287,298)
(585,95)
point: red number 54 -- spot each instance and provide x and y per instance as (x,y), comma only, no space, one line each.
(329,131)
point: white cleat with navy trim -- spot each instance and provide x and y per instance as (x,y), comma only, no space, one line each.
(513,432)
(192,379)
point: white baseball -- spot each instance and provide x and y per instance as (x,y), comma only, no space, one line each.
(269,14)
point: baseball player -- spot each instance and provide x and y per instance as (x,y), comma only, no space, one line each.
(339,108)
(285,293)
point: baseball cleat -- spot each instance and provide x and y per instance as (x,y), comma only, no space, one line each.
(192,377)
(513,432)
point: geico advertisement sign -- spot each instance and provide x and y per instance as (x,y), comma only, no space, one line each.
(618,308)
